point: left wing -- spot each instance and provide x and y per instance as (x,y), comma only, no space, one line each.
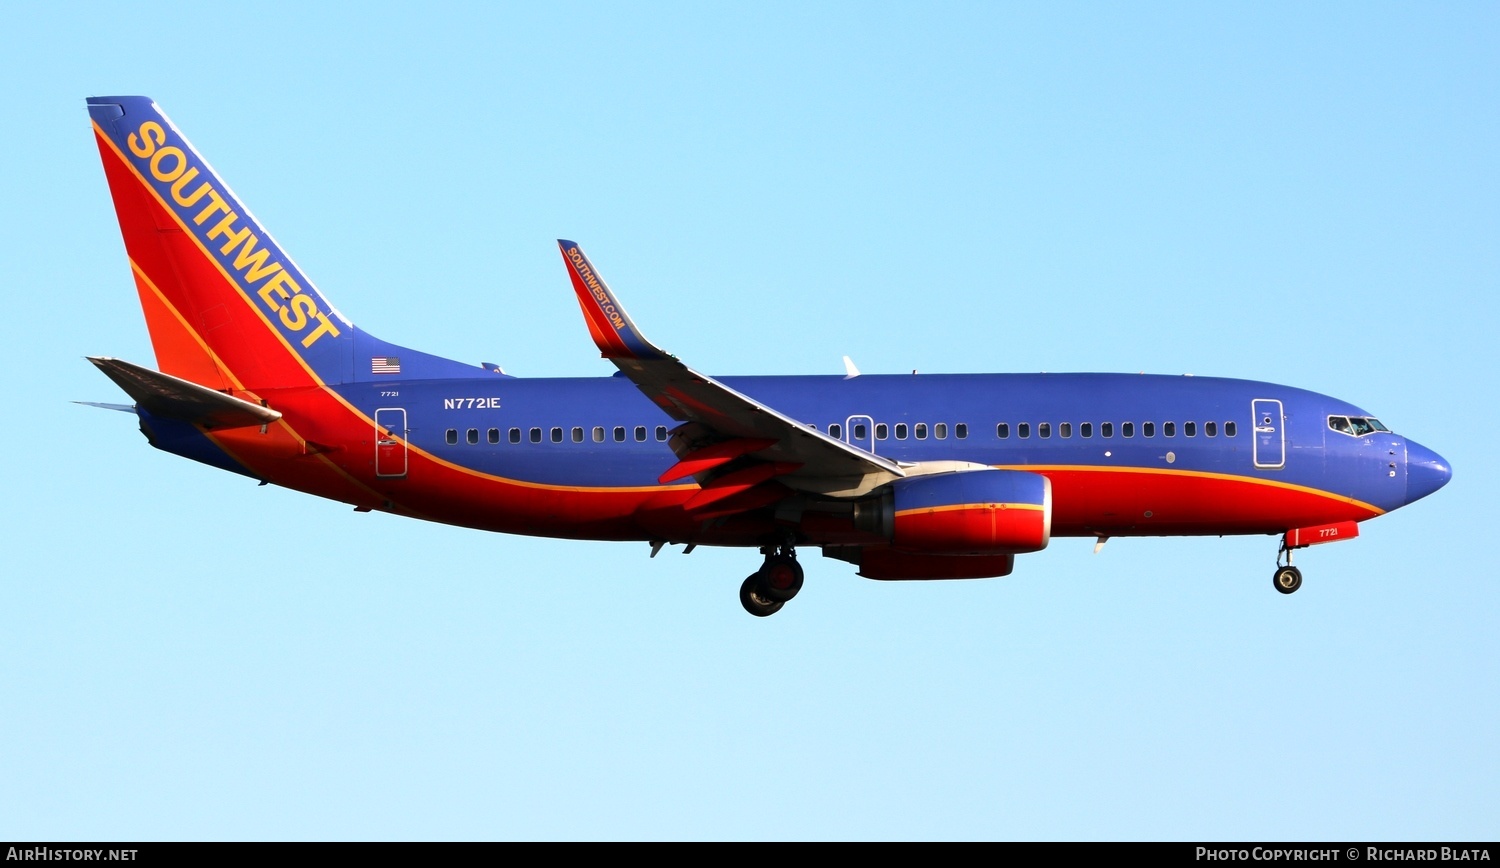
(723,427)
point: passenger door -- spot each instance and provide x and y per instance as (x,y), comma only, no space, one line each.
(1269,444)
(390,442)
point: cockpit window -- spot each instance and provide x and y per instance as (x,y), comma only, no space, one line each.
(1356,426)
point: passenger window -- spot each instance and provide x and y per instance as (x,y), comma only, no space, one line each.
(1228,429)
(1065,429)
(577,435)
(1148,429)
(881,431)
(919,430)
(900,430)
(494,435)
(619,433)
(1190,429)
(1169,429)
(598,433)
(556,435)
(1210,429)
(1106,429)
(1023,430)
(640,433)
(473,436)
(515,435)
(1044,429)
(451,436)
(1127,429)
(961,430)
(1002,430)
(536,435)
(661,432)
(861,431)
(836,431)
(1086,429)
(940,431)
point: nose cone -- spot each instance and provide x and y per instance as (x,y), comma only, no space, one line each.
(1426,471)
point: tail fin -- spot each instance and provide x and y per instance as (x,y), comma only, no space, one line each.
(225,305)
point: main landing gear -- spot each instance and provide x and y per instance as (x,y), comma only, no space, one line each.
(779,579)
(1287,578)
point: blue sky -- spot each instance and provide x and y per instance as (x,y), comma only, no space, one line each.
(1293,193)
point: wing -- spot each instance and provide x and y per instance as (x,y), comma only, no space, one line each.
(733,444)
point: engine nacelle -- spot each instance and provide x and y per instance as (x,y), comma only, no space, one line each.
(977,512)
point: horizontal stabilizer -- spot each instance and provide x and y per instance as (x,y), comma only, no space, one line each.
(175,398)
(123,408)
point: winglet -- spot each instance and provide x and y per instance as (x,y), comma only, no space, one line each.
(609,324)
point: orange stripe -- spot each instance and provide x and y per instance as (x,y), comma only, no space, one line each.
(182,321)
(925,510)
(219,438)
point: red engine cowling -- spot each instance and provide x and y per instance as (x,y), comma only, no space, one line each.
(885,563)
(976,512)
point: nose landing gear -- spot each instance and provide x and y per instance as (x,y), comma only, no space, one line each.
(1287,578)
(778,580)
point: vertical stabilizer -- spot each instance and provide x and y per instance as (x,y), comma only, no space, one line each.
(225,305)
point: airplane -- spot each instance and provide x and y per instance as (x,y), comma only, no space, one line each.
(907,477)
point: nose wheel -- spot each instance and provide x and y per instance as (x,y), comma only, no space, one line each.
(778,580)
(1287,578)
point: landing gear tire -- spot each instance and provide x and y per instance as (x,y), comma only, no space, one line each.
(755,599)
(780,579)
(1287,579)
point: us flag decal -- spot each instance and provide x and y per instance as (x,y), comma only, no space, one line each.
(385,365)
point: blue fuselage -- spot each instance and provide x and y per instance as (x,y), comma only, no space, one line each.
(1254,437)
